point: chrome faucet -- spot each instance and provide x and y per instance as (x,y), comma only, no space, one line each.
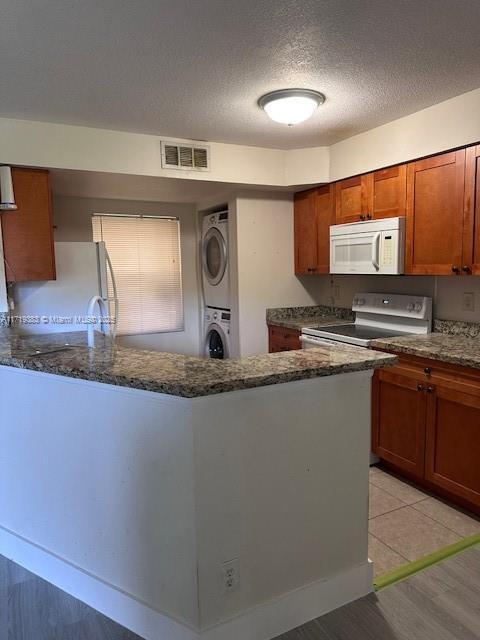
(103,313)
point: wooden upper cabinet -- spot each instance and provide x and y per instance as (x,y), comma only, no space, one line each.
(28,231)
(306,250)
(325,211)
(387,192)
(435,197)
(471,231)
(348,200)
(380,194)
(314,213)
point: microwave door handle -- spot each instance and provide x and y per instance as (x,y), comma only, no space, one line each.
(376,250)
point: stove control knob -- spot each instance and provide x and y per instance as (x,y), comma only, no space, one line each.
(360,302)
(409,306)
(418,307)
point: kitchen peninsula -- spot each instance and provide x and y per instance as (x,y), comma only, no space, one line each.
(185,497)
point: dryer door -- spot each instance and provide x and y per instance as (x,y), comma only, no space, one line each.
(215,258)
(216,343)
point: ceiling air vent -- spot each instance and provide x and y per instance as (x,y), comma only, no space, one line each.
(185,157)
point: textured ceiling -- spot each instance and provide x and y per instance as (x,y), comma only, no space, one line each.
(195,68)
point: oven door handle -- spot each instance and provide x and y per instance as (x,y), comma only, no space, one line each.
(376,250)
(314,341)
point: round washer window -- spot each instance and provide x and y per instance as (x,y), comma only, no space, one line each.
(215,347)
(214,256)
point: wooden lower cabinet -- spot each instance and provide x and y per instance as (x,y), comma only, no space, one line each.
(426,424)
(283,339)
(452,459)
(399,421)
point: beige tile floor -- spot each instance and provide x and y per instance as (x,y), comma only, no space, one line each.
(406,524)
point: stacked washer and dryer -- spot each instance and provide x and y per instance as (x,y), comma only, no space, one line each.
(216,285)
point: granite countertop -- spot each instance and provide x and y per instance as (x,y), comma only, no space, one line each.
(454,348)
(175,374)
(298,317)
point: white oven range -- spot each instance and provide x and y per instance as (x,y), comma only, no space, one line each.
(378,315)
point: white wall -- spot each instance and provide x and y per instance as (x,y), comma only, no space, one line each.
(449,298)
(42,144)
(113,489)
(449,124)
(307,166)
(282,455)
(72,218)
(263,277)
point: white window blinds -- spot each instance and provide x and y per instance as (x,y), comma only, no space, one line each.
(146,261)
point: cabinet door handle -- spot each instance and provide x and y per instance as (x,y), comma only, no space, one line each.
(455,269)
(420,387)
(369,216)
(430,389)
(427,371)
(362,216)
(466,269)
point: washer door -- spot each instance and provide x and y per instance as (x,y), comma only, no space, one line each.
(216,343)
(214,256)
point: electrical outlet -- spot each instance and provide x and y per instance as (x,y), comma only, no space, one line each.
(468,303)
(230,576)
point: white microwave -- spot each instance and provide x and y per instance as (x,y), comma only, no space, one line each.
(375,246)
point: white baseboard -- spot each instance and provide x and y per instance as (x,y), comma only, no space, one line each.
(103,597)
(263,622)
(269,620)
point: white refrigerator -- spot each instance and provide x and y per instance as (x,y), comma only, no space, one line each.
(56,306)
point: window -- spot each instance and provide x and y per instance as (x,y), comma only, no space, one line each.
(146,261)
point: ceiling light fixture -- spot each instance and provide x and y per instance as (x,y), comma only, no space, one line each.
(291,106)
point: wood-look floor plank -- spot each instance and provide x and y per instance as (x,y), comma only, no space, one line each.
(440,603)
(11,573)
(96,627)
(36,609)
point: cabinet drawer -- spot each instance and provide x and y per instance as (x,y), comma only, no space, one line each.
(435,372)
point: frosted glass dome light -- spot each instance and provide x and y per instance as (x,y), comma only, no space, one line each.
(291,106)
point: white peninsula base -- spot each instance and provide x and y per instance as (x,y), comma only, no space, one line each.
(132,501)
